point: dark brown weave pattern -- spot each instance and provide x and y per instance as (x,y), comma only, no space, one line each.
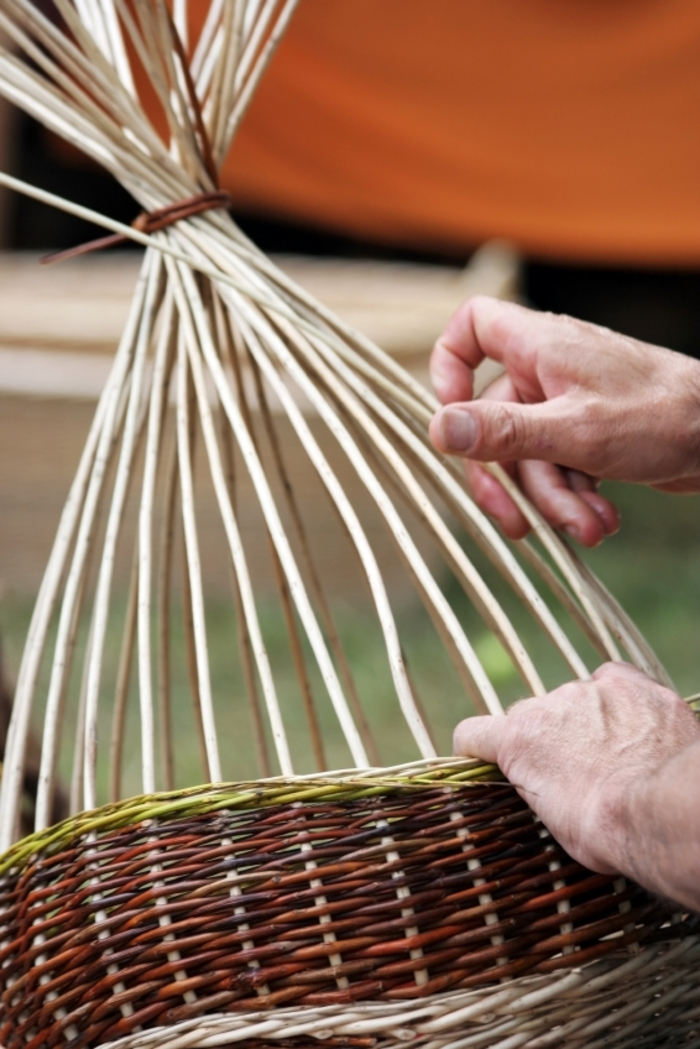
(389,897)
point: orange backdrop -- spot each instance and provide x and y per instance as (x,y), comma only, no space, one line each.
(571,127)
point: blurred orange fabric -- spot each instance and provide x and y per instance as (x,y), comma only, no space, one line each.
(571,127)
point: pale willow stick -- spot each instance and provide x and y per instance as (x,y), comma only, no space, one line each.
(121,691)
(114,523)
(245,97)
(242,574)
(232,361)
(205,44)
(159,390)
(163,617)
(571,657)
(234,351)
(475,516)
(119,55)
(73,67)
(269,508)
(193,562)
(300,532)
(85,498)
(355,530)
(252,43)
(223,78)
(416,563)
(247,357)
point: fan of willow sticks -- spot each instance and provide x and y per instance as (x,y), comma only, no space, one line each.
(224,364)
(364,907)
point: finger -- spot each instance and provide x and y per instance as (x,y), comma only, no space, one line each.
(620,669)
(451,378)
(479,737)
(492,498)
(485,489)
(578,481)
(484,327)
(585,515)
(445,425)
(547,486)
(682,486)
(607,511)
(496,430)
(623,673)
(501,388)
(586,487)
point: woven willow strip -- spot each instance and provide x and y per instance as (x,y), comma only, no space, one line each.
(320,893)
(649,1002)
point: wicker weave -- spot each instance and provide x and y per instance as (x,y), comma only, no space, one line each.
(311,894)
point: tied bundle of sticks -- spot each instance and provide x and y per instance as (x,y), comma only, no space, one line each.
(225,360)
(367,907)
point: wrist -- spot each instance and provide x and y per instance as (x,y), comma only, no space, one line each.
(649,828)
(691,416)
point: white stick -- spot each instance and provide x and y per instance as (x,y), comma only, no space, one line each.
(237,553)
(153,269)
(204,698)
(145,542)
(113,396)
(398,531)
(274,524)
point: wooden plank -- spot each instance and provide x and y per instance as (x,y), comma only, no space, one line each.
(81,305)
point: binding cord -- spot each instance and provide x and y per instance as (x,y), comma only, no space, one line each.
(148,222)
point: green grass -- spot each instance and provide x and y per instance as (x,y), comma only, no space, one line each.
(652,566)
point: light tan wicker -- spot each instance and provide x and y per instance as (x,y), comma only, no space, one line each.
(361,908)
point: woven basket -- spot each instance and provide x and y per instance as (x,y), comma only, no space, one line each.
(440,900)
(359,909)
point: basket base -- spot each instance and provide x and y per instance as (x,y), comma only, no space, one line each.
(649,1002)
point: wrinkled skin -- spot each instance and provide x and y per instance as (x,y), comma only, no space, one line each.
(611,765)
(576,404)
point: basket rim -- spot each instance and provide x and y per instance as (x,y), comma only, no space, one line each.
(338,785)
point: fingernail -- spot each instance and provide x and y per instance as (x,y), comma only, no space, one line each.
(614,526)
(458,430)
(573,532)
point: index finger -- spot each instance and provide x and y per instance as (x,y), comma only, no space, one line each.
(455,356)
(478,329)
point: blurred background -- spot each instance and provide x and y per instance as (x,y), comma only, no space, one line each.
(420,130)
(388,144)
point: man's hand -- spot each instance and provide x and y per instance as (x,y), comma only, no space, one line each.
(612,767)
(576,404)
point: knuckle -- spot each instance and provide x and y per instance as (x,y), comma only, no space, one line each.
(526,720)
(508,431)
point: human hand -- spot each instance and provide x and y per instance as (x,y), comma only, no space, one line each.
(612,768)
(576,403)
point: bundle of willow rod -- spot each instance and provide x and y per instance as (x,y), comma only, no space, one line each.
(221,352)
(215,326)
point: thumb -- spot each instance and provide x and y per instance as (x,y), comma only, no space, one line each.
(479,737)
(500,430)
